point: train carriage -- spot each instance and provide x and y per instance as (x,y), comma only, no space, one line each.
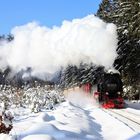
(108,92)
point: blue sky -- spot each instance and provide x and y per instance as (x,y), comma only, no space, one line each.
(46,12)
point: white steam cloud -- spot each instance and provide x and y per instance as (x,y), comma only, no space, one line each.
(45,50)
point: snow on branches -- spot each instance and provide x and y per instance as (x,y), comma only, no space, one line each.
(35,98)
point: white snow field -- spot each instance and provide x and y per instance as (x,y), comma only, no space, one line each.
(78,118)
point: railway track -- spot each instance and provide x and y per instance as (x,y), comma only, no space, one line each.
(128,118)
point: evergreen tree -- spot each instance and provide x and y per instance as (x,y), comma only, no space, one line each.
(85,73)
(74,75)
(8,37)
(105,10)
(67,77)
(129,35)
(126,15)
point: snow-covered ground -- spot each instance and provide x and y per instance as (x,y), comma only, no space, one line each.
(78,118)
(133,104)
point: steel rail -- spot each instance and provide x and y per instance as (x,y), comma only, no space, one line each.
(133,123)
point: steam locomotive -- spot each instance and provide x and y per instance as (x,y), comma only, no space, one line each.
(109,89)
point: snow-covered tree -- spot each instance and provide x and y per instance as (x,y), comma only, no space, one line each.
(126,15)
(35,98)
(85,73)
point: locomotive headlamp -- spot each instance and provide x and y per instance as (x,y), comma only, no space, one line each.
(106,93)
(119,93)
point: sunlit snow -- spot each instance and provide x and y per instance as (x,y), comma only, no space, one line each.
(70,120)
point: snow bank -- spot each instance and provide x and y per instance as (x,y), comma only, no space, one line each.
(72,122)
(38,137)
(135,105)
(43,117)
(135,137)
(42,129)
(5,137)
(66,122)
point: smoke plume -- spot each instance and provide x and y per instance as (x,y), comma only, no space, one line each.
(47,49)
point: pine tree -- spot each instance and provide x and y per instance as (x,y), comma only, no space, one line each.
(75,80)
(126,15)
(106,9)
(67,77)
(129,35)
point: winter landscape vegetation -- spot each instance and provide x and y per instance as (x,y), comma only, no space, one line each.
(42,69)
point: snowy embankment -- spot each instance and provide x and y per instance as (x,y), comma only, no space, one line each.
(79,118)
(133,104)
